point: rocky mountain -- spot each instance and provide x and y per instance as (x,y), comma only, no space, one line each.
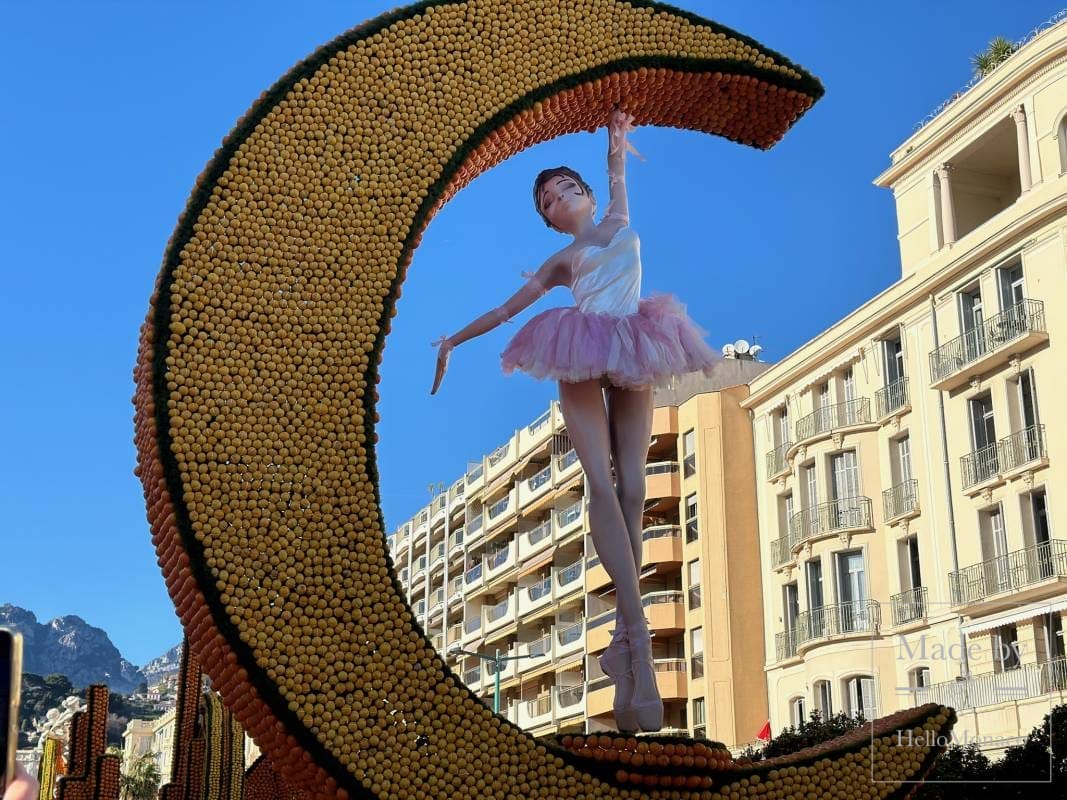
(72,647)
(163,666)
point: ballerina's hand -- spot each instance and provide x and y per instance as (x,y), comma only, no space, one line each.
(619,124)
(620,119)
(443,353)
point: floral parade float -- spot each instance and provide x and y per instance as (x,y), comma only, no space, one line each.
(255,407)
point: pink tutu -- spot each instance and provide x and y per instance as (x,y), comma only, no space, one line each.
(651,346)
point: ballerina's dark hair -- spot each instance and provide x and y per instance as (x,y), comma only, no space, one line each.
(542,178)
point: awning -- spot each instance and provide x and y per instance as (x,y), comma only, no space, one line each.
(496,636)
(539,561)
(1029,611)
(543,665)
(505,476)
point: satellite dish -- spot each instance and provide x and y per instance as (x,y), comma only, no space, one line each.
(741,346)
(728,350)
(755,350)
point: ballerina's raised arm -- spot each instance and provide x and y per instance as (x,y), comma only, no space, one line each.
(619,124)
(554,272)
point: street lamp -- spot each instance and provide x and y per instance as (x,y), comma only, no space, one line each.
(497,660)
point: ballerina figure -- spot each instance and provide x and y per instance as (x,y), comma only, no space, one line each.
(612,343)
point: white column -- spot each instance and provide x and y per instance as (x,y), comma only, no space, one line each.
(948,211)
(1019,115)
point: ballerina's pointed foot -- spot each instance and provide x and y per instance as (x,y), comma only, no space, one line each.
(646,706)
(615,662)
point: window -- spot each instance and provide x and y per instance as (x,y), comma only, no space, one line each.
(902,462)
(817,615)
(700,727)
(1006,648)
(823,701)
(983,426)
(689,455)
(996,577)
(785,507)
(1061,137)
(696,647)
(1039,533)
(693,572)
(783,426)
(1010,283)
(848,385)
(893,359)
(860,693)
(796,711)
(691,531)
(852,592)
(971,318)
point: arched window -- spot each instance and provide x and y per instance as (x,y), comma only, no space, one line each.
(859,694)
(1061,139)
(823,699)
(919,683)
(797,709)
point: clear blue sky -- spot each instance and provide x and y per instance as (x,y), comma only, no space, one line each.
(113,109)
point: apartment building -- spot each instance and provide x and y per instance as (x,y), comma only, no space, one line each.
(908,456)
(502,563)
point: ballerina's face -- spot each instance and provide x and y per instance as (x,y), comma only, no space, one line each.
(565,203)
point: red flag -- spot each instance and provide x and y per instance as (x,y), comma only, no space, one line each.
(765,732)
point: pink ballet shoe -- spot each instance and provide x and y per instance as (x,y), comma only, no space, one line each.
(647,710)
(615,662)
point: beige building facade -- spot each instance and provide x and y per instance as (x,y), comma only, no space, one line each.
(502,562)
(909,457)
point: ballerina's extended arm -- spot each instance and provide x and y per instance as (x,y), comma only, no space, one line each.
(619,125)
(548,275)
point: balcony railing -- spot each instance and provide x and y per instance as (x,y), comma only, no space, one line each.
(991,688)
(474,573)
(498,455)
(472,675)
(536,481)
(776,461)
(475,474)
(569,514)
(473,623)
(497,611)
(839,618)
(568,696)
(500,506)
(456,539)
(909,605)
(669,596)
(781,551)
(980,465)
(569,573)
(829,418)
(540,589)
(540,705)
(833,515)
(891,397)
(1022,447)
(498,557)
(901,499)
(571,633)
(542,531)
(567,459)
(1025,317)
(539,423)
(660,532)
(1009,572)
(661,467)
(785,644)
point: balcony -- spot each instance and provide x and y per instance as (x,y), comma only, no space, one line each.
(569,638)
(662,545)
(777,463)
(892,399)
(785,644)
(901,500)
(437,600)
(502,508)
(535,540)
(472,625)
(475,478)
(992,464)
(568,579)
(536,711)
(993,688)
(662,480)
(834,516)
(418,568)
(474,529)
(501,560)
(565,465)
(496,616)
(537,432)
(437,556)
(473,577)
(473,677)
(569,519)
(508,669)
(990,344)
(840,620)
(454,634)
(665,612)
(568,700)
(455,590)
(535,486)
(536,595)
(501,457)
(781,552)
(909,606)
(455,541)
(1010,579)
(824,421)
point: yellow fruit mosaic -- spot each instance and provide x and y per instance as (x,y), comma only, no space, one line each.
(256,377)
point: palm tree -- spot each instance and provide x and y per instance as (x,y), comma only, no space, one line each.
(989,59)
(142,781)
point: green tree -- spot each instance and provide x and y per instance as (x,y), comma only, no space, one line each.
(812,731)
(989,59)
(142,781)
